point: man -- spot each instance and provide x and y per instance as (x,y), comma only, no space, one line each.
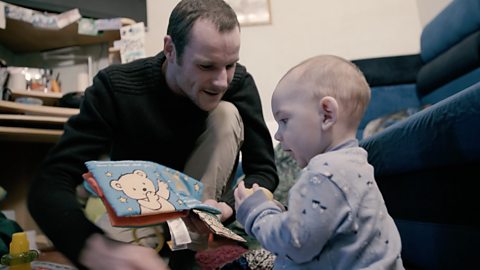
(191,108)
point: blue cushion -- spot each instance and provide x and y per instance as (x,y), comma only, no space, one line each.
(424,164)
(444,134)
(388,99)
(391,70)
(428,245)
(458,20)
(458,60)
(452,87)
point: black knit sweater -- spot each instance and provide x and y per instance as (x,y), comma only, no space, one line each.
(130,113)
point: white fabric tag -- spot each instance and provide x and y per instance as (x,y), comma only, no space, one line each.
(178,233)
(2,15)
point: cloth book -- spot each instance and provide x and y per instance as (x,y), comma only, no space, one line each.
(143,193)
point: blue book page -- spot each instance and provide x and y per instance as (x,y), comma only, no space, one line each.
(134,188)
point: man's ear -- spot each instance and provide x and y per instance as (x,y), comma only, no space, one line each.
(169,48)
(329,110)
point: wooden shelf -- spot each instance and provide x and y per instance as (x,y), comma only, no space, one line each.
(23,37)
(13,107)
(29,134)
(27,120)
(32,123)
(48,98)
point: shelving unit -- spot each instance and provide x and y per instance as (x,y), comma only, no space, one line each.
(28,132)
(14,107)
(48,98)
(23,37)
(33,123)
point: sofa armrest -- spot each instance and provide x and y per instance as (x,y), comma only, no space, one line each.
(446,133)
(391,70)
(425,165)
(455,22)
(458,60)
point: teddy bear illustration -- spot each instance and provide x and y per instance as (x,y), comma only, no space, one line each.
(137,186)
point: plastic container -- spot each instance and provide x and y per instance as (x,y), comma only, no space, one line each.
(20,256)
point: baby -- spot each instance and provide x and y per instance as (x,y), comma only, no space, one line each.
(336,217)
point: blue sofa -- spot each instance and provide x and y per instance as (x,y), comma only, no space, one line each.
(425,164)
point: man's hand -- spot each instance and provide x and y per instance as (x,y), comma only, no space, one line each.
(102,253)
(225,209)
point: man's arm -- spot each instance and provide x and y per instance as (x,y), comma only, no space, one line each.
(102,253)
(257,149)
(52,198)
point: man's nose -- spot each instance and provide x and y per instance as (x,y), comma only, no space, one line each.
(221,79)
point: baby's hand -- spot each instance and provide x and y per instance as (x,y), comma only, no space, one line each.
(242,193)
(265,191)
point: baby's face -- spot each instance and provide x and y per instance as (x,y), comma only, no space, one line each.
(299,121)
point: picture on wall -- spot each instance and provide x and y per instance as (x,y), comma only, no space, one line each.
(251,12)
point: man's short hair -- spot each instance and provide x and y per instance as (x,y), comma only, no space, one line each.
(187,12)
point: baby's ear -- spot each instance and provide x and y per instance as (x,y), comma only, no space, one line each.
(329,110)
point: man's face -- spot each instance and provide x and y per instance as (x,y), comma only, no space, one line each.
(207,65)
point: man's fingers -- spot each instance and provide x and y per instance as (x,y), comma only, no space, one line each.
(210,202)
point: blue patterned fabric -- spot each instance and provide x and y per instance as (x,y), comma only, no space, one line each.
(142,188)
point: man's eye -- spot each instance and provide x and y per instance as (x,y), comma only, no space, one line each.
(230,66)
(205,67)
(283,121)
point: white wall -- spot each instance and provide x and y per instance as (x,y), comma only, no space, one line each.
(427,9)
(304,28)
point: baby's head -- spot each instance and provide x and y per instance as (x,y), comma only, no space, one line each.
(318,104)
